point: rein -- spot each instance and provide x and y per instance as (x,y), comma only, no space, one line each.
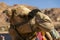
(30,16)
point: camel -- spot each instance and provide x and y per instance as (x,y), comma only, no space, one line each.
(24,22)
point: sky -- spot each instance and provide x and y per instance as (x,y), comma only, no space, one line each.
(37,3)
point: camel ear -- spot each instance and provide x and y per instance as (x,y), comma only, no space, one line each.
(13,13)
(5,11)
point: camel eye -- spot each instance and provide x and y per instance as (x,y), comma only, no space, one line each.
(20,16)
(24,16)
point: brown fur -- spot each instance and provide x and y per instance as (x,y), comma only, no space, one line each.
(24,30)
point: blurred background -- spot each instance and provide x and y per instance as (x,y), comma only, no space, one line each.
(41,4)
(38,3)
